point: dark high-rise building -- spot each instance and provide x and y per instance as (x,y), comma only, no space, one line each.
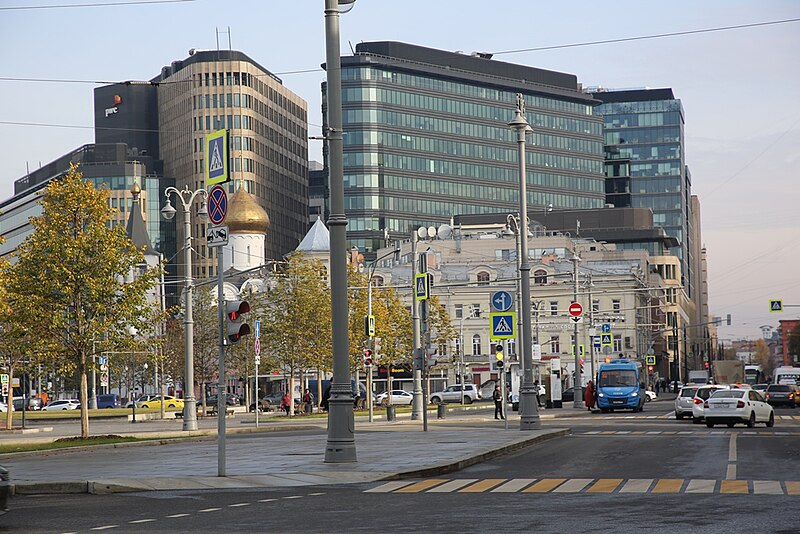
(426,136)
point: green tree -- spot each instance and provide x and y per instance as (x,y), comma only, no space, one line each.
(762,357)
(79,284)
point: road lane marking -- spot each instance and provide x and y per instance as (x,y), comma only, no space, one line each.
(105,527)
(792,488)
(770,487)
(267,500)
(237,505)
(573,485)
(701,486)
(173,516)
(483,485)
(514,485)
(421,485)
(734,486)
(730,474)
(668,485)
(732,448)
(209,510)
(293,497)
(453,485)
(605,485)
(637,485)
(141,521)
(389,486)
(315,494)
(544,485)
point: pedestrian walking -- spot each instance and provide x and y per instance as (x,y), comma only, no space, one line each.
(498,403)
(308,402)
(538,390)
(286,402)
(588,397)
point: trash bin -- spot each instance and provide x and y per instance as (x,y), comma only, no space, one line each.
(309,408)
(441,410)
(391,413)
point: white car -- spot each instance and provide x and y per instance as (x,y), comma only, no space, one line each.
(3,407)
(64,404)
(399,396)
(651,395)
(733,406)
(698,403)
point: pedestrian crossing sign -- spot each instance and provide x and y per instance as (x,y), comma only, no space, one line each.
(504,325)
(606,340)
(775,305)
(421,286)
(216,158)
(650,359)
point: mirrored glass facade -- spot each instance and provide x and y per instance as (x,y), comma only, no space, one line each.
(426,137)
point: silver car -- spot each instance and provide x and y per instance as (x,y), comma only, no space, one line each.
(684,402)
(453,394)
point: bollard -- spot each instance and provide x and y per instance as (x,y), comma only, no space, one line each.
(441,410)
(391,413)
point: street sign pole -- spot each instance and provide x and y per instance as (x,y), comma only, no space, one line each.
(257,343)
(222,393)
(575,310)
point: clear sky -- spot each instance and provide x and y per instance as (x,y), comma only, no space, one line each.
(739,89)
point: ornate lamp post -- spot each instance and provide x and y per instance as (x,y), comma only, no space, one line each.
(186,197)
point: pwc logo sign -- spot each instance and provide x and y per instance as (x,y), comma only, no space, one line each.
(114,109)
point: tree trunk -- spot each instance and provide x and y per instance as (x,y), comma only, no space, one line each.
(84,397)
(10,399)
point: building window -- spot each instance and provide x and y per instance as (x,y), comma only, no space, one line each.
(483,278)
(476,345)
(616,306)
(553,307)
(540,277)
(511,346)
(617,344)
(555,345)
(377,281)
(474,311)
(459,311)
(595,306)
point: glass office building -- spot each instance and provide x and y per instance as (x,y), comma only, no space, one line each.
(426,136)
(645,162)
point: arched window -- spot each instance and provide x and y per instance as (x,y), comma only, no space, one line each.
(483,278)
(476,345)
(377,281)
(540,276)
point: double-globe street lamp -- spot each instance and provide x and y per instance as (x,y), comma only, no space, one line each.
(186,198)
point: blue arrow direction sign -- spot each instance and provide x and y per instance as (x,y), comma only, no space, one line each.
(605,328)
(504,325)
(217,204)
(257,326)
(501,301)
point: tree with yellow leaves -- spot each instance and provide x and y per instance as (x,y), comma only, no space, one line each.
(72,293)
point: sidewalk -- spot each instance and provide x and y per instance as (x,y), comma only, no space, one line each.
(266,457)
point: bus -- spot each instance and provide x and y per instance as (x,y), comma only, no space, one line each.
(620,386)
(753,374)
(787,375)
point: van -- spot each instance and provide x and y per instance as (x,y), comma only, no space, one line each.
(108,401)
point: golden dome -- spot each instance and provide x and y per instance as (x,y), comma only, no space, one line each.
(135,189)
(245,216)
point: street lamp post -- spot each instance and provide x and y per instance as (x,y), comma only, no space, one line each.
(529,413)
(186,197)
(370,344)
(341,444)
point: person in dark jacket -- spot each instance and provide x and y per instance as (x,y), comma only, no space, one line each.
(498,403)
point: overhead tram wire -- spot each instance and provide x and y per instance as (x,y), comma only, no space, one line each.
(445,54)
(98,4)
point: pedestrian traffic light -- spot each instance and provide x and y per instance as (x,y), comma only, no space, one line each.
(499,355)
(235,326)
(430,355)
(706,364)
(650,368)
(367,357)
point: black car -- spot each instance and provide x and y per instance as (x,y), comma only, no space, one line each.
(231,400)
(5,490)
(569,394)
(780,394)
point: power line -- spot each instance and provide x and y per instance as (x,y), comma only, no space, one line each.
(651,36)
(100,4)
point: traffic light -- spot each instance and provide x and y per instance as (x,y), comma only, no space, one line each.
(367,357)
(235,326)
(430,355)
(499,355)
(706,364)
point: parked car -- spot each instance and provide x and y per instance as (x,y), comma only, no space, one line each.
(399,397)
(453,394)
(34,403)
(139,400)
(780,395)
(684,401)
(733,406)
(155,402)
(700,397)
(3,407)
(63,404)
(568,395)
(5,489)
(108,401)
(231,400)
(515,397)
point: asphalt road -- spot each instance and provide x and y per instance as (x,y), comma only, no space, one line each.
(616,473)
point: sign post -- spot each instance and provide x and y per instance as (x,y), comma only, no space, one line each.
(257,350)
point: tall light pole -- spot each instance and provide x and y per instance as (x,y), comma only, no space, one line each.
(341,444)
(186,198)
(528,407)
(577,384)
(370,344)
